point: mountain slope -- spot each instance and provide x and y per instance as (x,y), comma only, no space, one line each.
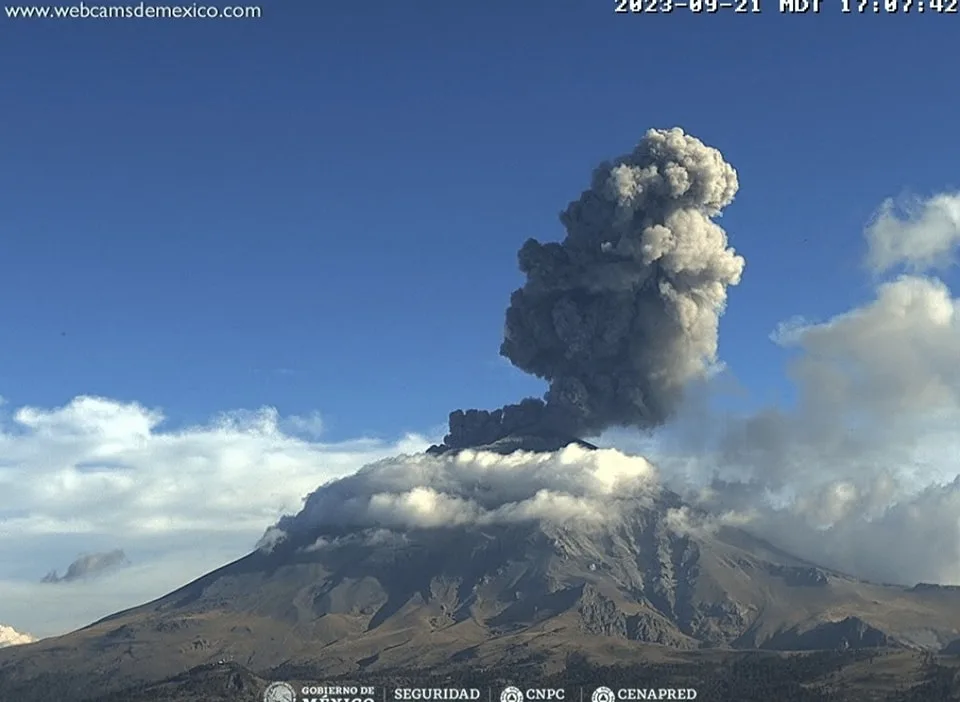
(337,601)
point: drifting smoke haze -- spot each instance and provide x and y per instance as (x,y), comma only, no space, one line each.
(861,473)
(87,565)
(623,314)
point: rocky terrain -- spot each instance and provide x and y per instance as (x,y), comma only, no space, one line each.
(650,584)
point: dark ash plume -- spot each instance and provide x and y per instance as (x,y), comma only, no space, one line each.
(623,314)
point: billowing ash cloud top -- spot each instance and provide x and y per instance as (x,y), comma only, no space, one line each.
(472,488)
(622,314)
(859,473)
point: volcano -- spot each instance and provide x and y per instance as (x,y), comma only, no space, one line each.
(337,600)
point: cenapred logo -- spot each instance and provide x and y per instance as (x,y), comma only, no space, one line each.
(280,692)
(630,694)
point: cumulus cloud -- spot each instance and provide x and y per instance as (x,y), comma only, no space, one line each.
(104,467)
(919,234)
(473,488)
(895,357)
(861,472)
(87,565)
(75,478)
(11,637)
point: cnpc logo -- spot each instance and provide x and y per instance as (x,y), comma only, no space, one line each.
(635,694)
(549,694)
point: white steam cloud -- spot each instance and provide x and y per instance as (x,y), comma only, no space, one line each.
(919,234)
(11,637)
(862,473)
(96,474)
(475,488)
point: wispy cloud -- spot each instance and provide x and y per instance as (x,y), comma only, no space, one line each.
(918,234)
(97,474)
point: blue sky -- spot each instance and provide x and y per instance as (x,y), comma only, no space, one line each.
(320,210)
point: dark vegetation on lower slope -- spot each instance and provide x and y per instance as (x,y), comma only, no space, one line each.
(712,608)
(823,676)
